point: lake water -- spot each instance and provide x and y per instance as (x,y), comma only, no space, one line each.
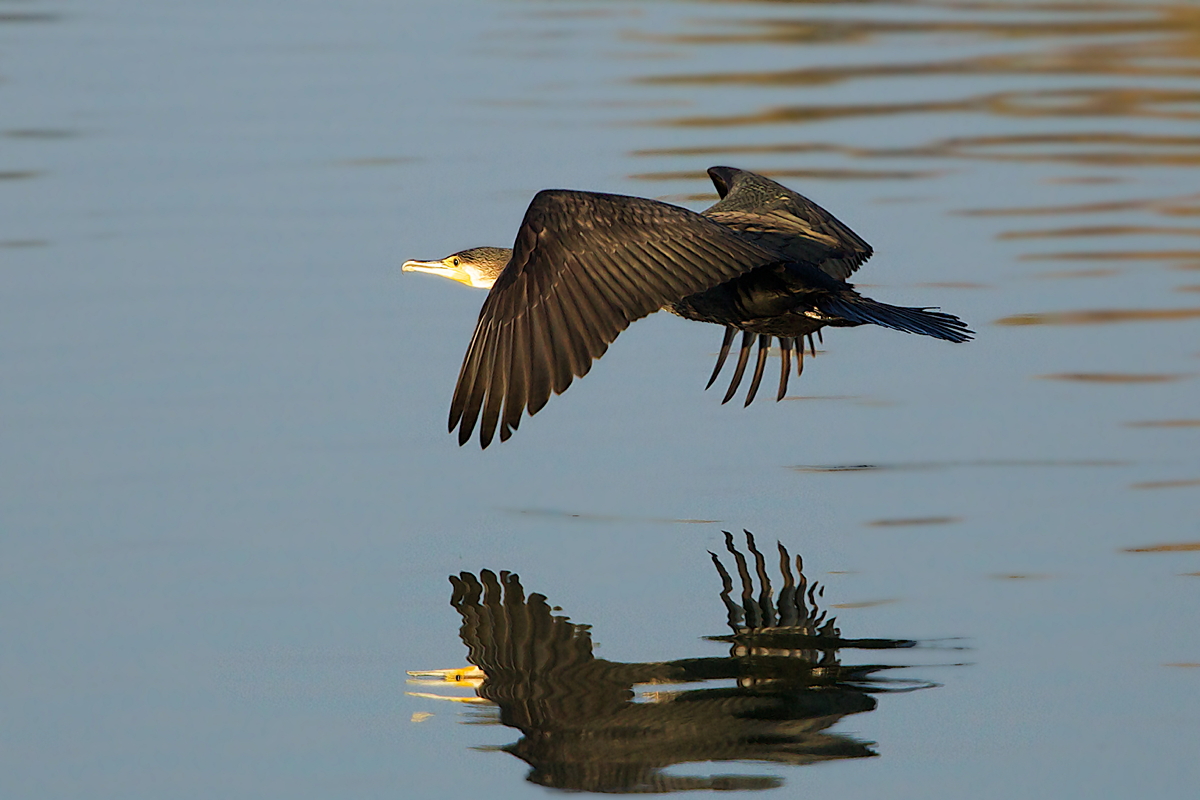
(229,505)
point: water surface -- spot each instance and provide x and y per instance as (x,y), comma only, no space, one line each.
(228,504)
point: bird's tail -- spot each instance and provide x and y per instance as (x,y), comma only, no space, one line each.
(924,321)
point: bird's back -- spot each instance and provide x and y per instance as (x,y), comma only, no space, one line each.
(773,216)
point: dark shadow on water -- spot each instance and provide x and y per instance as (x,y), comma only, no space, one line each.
(982,462)
(1116,377)
(918,522)
(587,726)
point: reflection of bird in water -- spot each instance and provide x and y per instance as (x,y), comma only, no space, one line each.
(764,260)
(584,729)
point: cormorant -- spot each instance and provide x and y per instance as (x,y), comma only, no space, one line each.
(764,260)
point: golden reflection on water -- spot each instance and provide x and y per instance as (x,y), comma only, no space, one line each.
(1097,98)
(1177,23)
(1070,148)
(1102,230)
(1103,87)
(1188,205)
(1101,316)
(1180,547)
(1116,255)
(1059,274)
(1063,103)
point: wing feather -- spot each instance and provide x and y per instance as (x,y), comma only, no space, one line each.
(541,363)
(466,377)
(479,361)
(497,379)
(584,266)
(518,379)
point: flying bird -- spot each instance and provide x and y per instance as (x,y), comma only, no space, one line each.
(764,260)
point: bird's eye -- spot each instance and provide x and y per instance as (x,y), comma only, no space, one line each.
(455,262)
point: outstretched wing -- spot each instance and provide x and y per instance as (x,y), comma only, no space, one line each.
(783,220)
(584,266)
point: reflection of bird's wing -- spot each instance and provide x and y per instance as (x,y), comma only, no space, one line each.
(538,665)
(584,266)
(511,636)
(782,220)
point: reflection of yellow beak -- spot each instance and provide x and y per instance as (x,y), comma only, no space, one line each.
(469,677)
(472,675)
(479,701)
(440,268)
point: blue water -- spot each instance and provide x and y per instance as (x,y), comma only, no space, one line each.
(228,503)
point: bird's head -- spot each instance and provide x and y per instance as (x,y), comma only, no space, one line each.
(476,267)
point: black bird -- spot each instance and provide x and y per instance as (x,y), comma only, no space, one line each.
(764,260)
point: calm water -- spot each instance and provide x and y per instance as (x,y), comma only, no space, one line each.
(229,507)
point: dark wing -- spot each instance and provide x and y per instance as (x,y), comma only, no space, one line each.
(782,220)
(584,266)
